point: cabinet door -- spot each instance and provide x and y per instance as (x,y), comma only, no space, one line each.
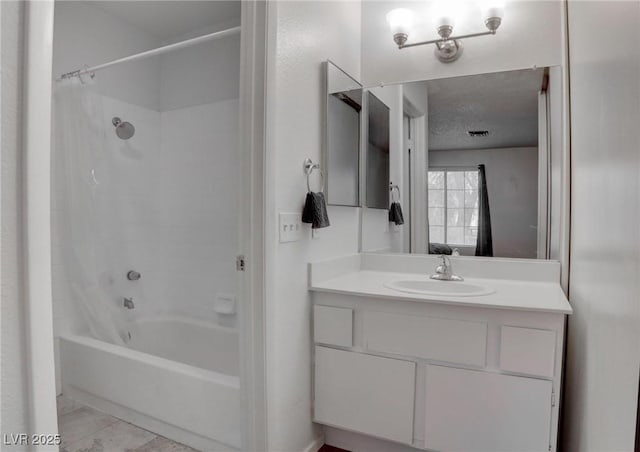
(479,411)
(365,393)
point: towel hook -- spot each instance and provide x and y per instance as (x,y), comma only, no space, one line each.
(308,167)
(391,187)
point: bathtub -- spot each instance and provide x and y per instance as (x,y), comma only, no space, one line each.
(176,377)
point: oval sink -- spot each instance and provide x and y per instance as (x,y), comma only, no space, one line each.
(443,288)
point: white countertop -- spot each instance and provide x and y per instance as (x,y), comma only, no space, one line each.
(508,294)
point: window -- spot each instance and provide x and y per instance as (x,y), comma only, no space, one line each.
(453,206)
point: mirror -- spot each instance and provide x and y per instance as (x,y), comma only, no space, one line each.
(342,139)
(377,177)
(478,165)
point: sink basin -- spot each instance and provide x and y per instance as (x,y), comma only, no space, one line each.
(442,288)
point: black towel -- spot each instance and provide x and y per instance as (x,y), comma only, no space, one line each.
(395,213)
(315,211)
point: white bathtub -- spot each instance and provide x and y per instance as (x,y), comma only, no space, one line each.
(177,377)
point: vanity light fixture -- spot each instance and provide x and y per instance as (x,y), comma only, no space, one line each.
(448,47)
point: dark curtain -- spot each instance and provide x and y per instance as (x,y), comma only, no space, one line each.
(484,243)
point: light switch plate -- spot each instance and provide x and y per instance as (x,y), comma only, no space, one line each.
(290,227)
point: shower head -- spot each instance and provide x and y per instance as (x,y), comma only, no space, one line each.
(124,130)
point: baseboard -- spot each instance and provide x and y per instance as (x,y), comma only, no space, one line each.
(58,368)
(315,445)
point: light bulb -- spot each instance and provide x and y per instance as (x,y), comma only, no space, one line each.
(400,21)
(493,13)
(446,12)
(493,8)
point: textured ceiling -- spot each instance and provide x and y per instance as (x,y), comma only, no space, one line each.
(504,103)
(168,20)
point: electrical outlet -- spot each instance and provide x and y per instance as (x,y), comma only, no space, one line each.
(290,227)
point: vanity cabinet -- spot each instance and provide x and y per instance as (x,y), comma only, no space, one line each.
(365,393)
(438,376)
(469,410)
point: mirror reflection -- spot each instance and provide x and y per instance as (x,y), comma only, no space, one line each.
(377,177)
(342,141)
(476,162)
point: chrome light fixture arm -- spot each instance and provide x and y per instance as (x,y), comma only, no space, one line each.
(438,42)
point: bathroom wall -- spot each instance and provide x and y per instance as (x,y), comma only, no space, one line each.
(197,198)
(305,34)
(213,72)
(13,330)
(512,181)
(529,35)
(88,35)
(603,353)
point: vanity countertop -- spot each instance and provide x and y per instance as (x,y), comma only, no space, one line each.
(523,295)
(508,294)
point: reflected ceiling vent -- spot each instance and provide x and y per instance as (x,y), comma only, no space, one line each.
(478,133)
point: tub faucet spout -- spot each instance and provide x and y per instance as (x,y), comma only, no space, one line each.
(128,303)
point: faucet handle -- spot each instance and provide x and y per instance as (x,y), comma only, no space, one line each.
(128,303)
(442,268)
(446,261)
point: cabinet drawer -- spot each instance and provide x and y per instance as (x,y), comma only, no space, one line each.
(528,351)
(365,393)
(448,340)
(470,411)
(333,326)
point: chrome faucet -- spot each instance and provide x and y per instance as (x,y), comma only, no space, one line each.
(444,271)
(128,303)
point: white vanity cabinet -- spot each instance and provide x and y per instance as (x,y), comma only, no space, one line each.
(470,410)
(365,393)
(438,376)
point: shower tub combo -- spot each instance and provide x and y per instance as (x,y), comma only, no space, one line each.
(177,377)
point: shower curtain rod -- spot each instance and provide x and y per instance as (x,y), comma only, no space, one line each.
(153,52)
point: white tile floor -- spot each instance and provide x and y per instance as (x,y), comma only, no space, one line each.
(84,429)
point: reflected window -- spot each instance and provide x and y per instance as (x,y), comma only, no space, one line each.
(453,206)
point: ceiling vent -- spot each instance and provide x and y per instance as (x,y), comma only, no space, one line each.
(478,133)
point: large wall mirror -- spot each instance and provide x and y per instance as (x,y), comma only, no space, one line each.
(478,161)
(342,139)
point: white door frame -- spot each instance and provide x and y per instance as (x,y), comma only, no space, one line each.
(419,168)
(252,130)
(542,251)
(38,61)
(42,412)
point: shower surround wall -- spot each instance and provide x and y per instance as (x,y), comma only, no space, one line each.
(170,208)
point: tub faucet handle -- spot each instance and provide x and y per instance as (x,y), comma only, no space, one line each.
(128,303)
(133,275)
